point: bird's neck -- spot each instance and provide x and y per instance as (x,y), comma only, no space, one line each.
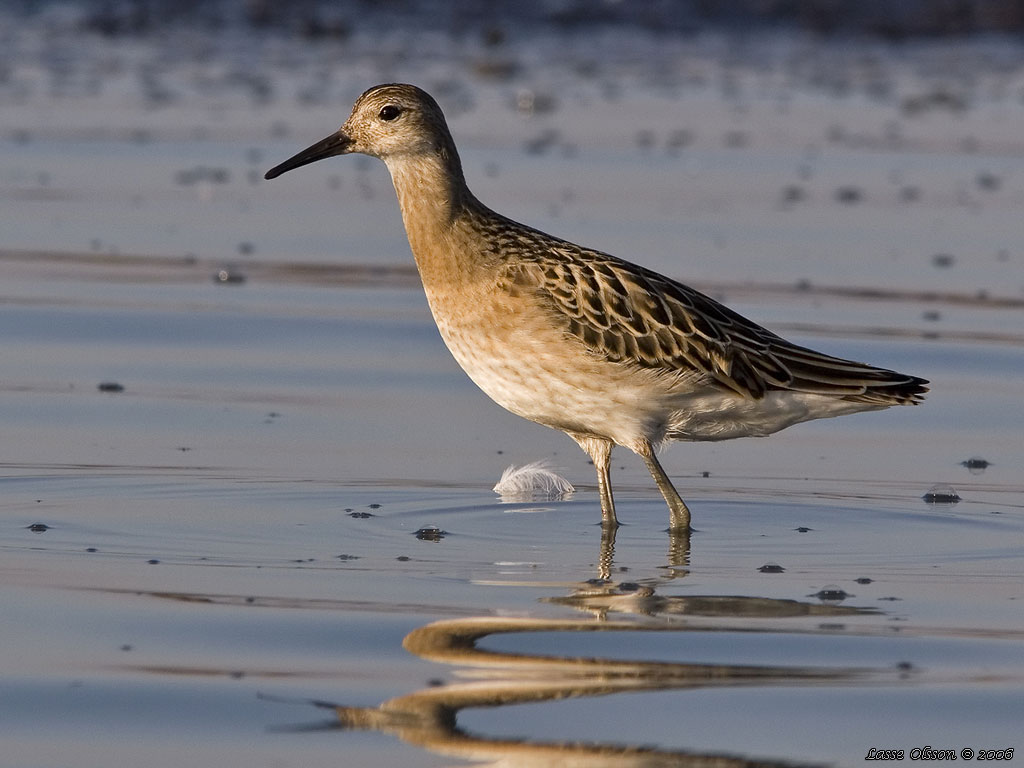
(433,196)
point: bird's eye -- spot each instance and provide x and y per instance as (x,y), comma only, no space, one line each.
(389,112)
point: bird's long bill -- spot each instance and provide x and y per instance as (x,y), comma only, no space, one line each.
(335,144)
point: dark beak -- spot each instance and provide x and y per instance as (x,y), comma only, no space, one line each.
(335,144)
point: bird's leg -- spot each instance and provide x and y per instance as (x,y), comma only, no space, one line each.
(679,514)
(600,451)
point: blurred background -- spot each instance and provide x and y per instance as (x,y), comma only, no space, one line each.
(144,128)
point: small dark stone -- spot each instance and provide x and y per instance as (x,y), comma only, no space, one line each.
(373,506)
(849,195)
(910,194)
(361,515)
(110,386)
(38,527)
(976,462)
(403,558)
(864,580)
(645,139)
(803,529)
(793,193)
(430,533)
(771,568)
(832,593)
(941,494)
(348,557)
(154,561)
(988,181)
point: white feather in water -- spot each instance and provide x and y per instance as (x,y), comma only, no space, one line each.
(532,481)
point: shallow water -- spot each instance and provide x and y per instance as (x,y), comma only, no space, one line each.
(229,571)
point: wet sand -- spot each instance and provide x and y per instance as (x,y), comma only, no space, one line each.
(218,563)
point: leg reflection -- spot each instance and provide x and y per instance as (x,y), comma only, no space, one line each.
(678,552)
(607,557)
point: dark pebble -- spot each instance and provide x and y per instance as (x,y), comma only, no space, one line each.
(110,386)
(39,527)
(771,568)
(849,195)
(832,593)
(941,495)
(430,533)
(976,462)
(793,194)
(989,181)
(910,194)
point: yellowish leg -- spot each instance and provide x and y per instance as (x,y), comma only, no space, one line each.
(600,451)
(679,514)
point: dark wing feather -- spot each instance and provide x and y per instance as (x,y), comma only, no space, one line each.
(634,316)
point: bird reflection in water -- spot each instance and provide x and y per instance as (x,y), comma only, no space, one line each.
(428,718)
